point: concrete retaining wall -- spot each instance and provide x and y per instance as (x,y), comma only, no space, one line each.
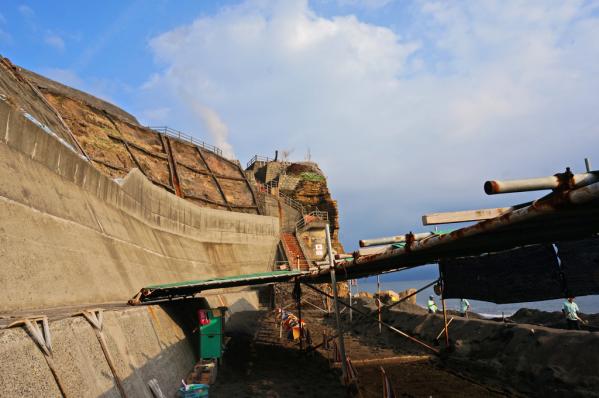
(71,236)
(144,343)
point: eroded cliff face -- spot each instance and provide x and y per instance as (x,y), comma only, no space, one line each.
(304,182)
(116,143)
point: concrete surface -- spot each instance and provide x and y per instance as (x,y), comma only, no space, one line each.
(71,236)
(144,342)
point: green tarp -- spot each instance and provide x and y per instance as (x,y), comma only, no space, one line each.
(189,288)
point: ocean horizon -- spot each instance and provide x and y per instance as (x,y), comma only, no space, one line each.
(587,304)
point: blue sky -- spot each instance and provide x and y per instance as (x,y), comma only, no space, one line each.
(408,106)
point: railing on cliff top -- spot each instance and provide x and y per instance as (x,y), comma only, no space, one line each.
(179,135)
(264,159)
(313,216)
(272,188)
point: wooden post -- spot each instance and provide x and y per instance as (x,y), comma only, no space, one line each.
(445,322)
(298,298)
(336,303)
(378,300)
(349,283)
(280,311)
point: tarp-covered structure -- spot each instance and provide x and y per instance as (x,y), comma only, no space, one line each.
(190,288)
(509,258)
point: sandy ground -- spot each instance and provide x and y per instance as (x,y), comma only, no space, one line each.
(265,366)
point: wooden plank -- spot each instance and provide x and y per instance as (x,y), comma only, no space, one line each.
(388,361)
(464,216)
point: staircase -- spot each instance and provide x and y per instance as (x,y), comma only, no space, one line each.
(293,251)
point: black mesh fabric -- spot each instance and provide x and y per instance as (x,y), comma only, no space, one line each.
(580,264)
(529,273)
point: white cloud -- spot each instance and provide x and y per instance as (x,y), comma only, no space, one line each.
(55,41)
(26,11)
(105,89)
(155,116)
(403,121)
(369,4)
(65,76)
(5,37)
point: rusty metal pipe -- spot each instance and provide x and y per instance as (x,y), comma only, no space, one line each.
(561,180)
(392,239)
(539,207)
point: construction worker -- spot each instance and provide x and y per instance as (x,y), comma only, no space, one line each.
(431,305)
(464,307)
(570,311)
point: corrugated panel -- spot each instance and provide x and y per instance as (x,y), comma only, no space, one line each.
(525,274)
(580,264)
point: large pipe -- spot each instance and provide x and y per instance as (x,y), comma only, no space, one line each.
(392,239)
(560,180)
(548,205)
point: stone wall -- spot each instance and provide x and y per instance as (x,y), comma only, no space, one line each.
(144,343)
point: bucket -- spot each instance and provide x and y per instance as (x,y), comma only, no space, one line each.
(296,333)
(194,391)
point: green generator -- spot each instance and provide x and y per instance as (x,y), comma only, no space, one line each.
(212,326)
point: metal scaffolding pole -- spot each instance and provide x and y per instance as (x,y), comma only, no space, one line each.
(336,302)
(385,324)
(378,300)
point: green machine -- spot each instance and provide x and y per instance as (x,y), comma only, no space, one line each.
(212,326)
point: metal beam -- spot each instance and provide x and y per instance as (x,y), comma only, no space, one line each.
(249,186)
(220,189)
(394,239)
(172,164)
(109,165)
(464,215)
(152,180)
(138,147)
(335,298)
(205,172)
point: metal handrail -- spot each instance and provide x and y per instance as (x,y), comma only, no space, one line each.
(264,159)
(256,159)
(181,136)
(269,188)
(321,215)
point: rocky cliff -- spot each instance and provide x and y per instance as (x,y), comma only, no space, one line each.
(303,182)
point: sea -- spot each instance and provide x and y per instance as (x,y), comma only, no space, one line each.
(587,304)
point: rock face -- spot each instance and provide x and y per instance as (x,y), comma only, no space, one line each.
(116,143)
(303,182)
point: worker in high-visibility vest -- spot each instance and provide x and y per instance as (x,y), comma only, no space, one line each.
(431,305)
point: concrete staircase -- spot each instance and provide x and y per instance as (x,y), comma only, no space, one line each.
(294,251)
